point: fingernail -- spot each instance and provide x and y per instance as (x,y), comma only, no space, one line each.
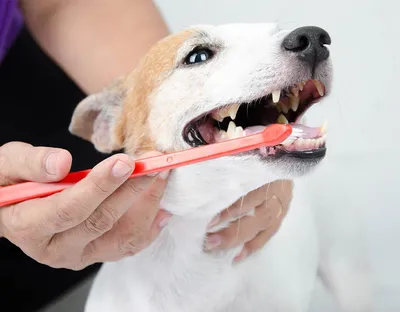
(214,221)
(243,254)
(121,169)
(164,221)
(51,163)
(213,241)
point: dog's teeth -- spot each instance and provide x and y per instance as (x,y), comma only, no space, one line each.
(301,85)
(190,137)
(239,132)
(276,95)
(295,91)
(221,114)
(314,143)
(233,109)
(231,126)
(294,102)
(299,144)
(234,132)
(319,87)
(282,119)
(283,107)
(289,141)
(217,116)
(221,136)
(231,129)
(323,129)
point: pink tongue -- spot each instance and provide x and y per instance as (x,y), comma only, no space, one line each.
(308,132)
(253,130)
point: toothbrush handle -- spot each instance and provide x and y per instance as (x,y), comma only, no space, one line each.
(271,136)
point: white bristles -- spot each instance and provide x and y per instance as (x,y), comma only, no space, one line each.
(296,133)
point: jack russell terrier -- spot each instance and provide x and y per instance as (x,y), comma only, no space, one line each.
(204,85)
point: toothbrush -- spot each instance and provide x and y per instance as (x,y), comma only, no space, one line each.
(271,136)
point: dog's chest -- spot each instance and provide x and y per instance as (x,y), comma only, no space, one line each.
(174,274)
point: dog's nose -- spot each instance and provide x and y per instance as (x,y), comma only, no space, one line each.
(309,44)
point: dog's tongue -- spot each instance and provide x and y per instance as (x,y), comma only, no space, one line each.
(307,132)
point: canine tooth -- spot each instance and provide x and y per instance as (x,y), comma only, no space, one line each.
(283,107)
(295,91)
(301,85)
(294,102)
(319,87)
(323,129)
(276,95)
(282,119)
(231,129)
(233,109)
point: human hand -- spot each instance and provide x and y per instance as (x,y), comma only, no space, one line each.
(104,217)
(270,204)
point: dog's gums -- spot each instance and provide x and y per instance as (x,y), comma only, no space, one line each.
(283,106)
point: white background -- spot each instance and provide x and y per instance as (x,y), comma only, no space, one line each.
(360,173)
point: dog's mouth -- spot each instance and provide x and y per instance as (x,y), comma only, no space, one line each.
(285,106)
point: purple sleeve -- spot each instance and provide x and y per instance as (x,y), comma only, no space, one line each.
(10,24)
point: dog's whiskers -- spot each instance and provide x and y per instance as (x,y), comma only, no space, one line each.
(240,213)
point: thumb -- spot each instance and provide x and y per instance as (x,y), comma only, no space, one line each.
(24,162)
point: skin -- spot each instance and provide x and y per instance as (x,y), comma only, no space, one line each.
(106,217)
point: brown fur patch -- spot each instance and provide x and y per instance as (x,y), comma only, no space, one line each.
(132,131)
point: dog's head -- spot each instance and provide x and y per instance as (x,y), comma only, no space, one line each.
(211,83)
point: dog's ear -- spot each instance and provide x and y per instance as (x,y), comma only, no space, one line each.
(95,118)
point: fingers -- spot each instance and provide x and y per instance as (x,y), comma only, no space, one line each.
(136,229)
(104,216)
(257,242)
(75,205)
(23,162)
(125,239)
(243,205)
(237,232)
(69,208)
(266,216)
(141,196)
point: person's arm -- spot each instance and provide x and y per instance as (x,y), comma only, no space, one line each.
(95,41)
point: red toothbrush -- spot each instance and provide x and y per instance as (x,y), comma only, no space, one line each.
(271,136)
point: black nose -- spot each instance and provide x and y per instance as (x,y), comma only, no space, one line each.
(309,44)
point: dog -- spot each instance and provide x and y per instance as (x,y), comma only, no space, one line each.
(200,86)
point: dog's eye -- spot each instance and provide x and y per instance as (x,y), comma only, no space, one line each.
(198,56)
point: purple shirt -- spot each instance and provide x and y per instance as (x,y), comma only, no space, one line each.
(10,24)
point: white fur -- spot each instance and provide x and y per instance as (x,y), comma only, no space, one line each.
(174,274)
